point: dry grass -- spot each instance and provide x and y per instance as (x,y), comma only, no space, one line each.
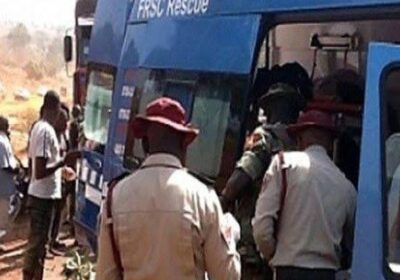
(22,115)
(26,120)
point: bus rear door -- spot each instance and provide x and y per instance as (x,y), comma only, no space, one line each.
(376,243)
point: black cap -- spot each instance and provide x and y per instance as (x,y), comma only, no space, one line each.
(284,91)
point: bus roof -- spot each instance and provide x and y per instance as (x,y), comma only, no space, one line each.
(148,9)
(109,31)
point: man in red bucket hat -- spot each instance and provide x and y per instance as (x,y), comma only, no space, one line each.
(316,120)
(161,222)
(304,214)
(166,112)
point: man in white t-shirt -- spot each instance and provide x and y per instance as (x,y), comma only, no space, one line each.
(8,168)
(45,185)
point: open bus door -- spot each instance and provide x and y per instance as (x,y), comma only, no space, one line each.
(376,243)
(211,81)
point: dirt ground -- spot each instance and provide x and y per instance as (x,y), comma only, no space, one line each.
(21,115)
(23,112)
(11,260)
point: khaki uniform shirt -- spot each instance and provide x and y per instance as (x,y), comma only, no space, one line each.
(264,142)
(317,214)
(167,225)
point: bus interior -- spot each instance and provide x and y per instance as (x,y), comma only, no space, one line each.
(335,55)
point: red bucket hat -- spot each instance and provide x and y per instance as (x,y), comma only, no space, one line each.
(167,112)
(316,119)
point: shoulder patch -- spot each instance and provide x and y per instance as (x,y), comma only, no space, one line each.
(256,141)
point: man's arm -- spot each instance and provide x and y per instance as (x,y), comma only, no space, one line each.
(74,135)
(7,160)
(238,182)
(106,268)
(267,208)
(30,167)
(41,152)
(42,170)
(251,167)
(221,258)
(11,170)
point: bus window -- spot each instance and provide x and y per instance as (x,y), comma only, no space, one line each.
(212,103)
(181,91)
(211,115)
(98,106)
(292,42)
(391,89)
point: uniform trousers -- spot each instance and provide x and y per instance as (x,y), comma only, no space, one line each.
(297,273)
(256,272)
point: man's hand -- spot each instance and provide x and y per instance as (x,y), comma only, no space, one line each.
(68,173)
(72,157)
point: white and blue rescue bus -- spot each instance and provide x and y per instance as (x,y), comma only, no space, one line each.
(206,54)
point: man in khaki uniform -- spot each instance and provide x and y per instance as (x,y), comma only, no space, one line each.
(281,104)
(166,224)
(303,223)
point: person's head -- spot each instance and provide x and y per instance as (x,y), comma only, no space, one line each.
(77,112)
(65,108)
(161,138)
(51,107)
(145,145)
(164,128)
(282,104)
(62,121)
(4,125)
(315,136)
(344,85)
(41,112)
(314,128)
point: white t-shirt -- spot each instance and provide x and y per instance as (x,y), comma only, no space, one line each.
(7,160)
(44,143)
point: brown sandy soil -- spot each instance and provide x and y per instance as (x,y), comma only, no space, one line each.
(22,113)
(11,261)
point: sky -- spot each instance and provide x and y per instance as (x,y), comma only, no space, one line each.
(38,12)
